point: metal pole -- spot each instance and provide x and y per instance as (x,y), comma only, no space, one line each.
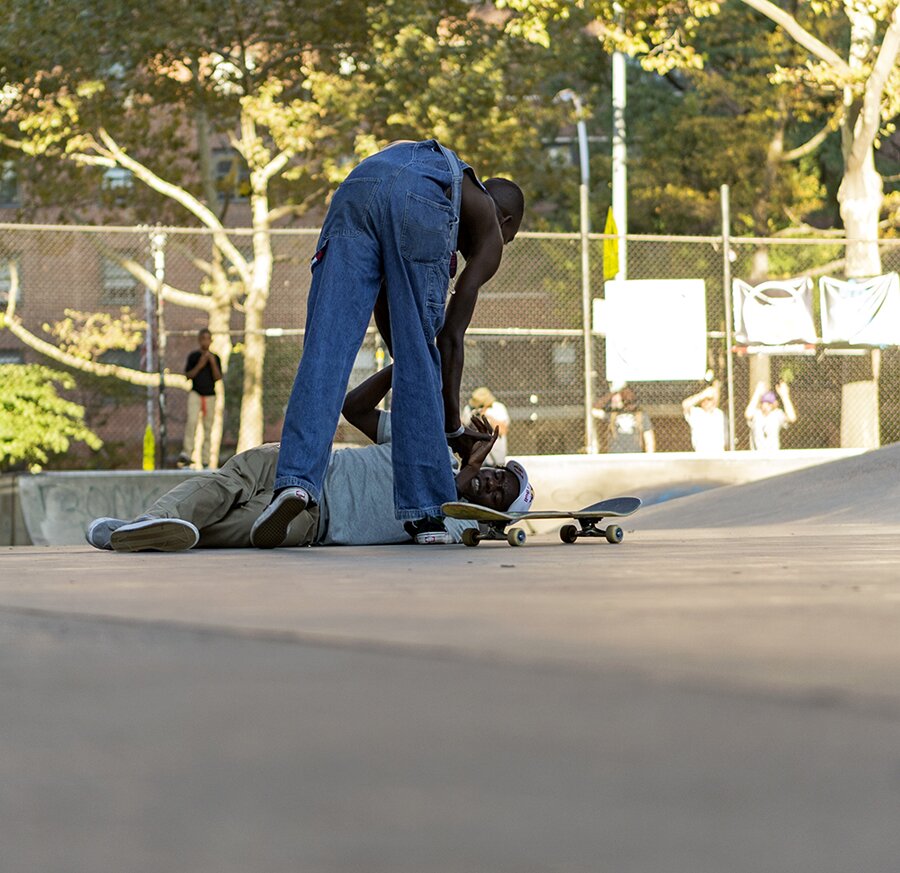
(149,460)
(729,316)
(158,247)
(590,434)
(619,157)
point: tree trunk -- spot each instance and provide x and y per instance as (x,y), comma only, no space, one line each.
(251,431)
(860,198)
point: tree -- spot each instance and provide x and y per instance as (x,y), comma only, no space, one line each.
(864,90)
(294,89)
(35,422)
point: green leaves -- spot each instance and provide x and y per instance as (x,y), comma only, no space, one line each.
(35,422)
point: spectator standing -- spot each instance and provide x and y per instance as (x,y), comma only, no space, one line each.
(482,402)
(630,428)
(766,419)
(707,422)
(204,368)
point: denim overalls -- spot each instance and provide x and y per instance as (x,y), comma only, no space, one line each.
(390,219)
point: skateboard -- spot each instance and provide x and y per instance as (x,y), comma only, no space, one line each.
(493,523)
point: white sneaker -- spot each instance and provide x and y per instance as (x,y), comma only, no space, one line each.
(100,530)
(271,528)
(155,535)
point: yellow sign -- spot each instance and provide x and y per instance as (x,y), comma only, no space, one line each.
(610,248)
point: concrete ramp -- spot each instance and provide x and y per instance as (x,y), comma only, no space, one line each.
(864,489)
(56,508)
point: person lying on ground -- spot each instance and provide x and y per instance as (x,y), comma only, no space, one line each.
(218,510)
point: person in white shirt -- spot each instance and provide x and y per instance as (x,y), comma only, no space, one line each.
(706,420)
(482,402)
(766,419)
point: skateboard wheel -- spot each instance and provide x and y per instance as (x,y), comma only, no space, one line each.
(471,537)
(614,534)
(568,533)
(516,536)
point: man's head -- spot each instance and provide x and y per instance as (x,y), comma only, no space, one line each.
(768,402)
(510,203)
(505,489)
(481,398)
(204,338)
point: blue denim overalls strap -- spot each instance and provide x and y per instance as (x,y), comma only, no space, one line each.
(455,190)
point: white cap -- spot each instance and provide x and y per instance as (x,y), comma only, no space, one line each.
(526,493)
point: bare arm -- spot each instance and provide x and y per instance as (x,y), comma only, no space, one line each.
(214,366)
(785,394)
(479,452)
(201,363)
(361,404)
(481,243)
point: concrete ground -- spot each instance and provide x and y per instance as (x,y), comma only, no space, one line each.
(698,698)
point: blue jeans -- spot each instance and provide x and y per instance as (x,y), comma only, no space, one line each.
(390,219)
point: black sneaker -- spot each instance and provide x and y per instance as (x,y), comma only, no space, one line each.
(271,528)
(428,531)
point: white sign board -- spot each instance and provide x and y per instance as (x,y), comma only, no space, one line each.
(655,330)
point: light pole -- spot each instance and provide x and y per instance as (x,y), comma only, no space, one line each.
(569,95)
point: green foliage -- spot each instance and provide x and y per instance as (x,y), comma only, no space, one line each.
(35,422)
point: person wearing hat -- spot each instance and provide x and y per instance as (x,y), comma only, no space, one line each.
(482,402)
(219,510)
(766,419)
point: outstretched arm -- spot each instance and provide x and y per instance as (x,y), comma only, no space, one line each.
(361,404)
(785,394)
(481,244)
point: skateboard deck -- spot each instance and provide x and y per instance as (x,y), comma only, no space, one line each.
(494,523)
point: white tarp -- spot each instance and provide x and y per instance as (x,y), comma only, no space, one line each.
(655,330)
(863,312)
(774,313)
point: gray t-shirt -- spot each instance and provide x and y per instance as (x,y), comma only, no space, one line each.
(357,506)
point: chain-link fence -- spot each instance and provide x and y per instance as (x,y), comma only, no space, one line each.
(527,342)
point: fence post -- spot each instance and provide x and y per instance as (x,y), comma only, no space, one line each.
(729,315)
(158,248)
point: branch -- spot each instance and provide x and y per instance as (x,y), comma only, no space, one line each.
(125,374)
(869,119)
(813,142)
(799,34)
(275,166)
(170,294)
(179,195)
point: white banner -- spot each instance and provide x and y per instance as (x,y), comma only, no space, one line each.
(863,312)
(655,330)
(774,313)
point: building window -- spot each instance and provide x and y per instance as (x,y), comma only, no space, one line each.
(232,175)
(124,358)
(117,185)
(10,266)
(120,288)
(11,356)
(9,184)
